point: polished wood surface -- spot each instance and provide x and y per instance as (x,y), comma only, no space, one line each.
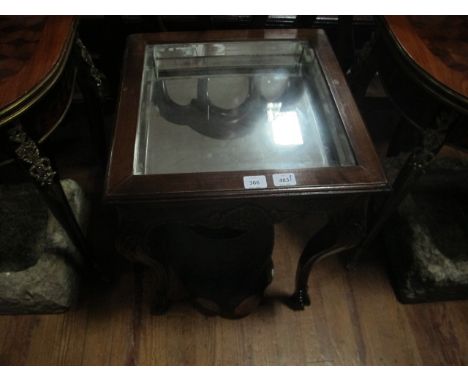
(438,45)
(219,199)
(354,319)
(37,80)
(122,184)
(33,53)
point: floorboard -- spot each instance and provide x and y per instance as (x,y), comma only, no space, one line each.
(354,319)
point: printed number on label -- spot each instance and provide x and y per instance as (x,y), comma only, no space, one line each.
(280,180)
(258,181)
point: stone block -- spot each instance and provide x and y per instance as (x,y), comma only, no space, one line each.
(427,240)
(38,262)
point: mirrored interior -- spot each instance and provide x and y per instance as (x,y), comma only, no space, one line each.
(236,106)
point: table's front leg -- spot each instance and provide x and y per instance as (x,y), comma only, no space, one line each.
(340,234)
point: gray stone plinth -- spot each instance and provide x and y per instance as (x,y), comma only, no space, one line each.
(427,241)
(38,262)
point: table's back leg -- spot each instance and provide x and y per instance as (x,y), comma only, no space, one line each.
(139,241)
(363,69)
(91,83)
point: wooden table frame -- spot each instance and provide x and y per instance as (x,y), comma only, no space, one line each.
(123,184)
(173,196)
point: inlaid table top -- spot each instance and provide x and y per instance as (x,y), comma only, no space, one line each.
(33,52)
(438,45)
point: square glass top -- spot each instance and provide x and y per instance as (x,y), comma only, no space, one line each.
(236,106)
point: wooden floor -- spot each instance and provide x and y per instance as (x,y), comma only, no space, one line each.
(354,320)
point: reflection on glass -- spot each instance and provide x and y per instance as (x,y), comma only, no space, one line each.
(285,126)
(236,106)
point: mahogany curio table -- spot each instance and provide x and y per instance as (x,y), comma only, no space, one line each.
(237,130)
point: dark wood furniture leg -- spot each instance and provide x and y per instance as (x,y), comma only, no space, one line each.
(339,235)
(432,141)
(161,302)
(137,241)
(91,82)
(363,69)
(345,48)
(44,177)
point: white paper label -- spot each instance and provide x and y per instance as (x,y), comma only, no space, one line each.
(258,181)
(281,180)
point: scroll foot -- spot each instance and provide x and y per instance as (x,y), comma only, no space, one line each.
(299,300)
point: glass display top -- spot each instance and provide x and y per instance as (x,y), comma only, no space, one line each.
(236,106)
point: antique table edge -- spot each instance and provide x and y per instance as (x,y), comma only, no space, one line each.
(118,180)
(116,196)
(419,74)
(25,102)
